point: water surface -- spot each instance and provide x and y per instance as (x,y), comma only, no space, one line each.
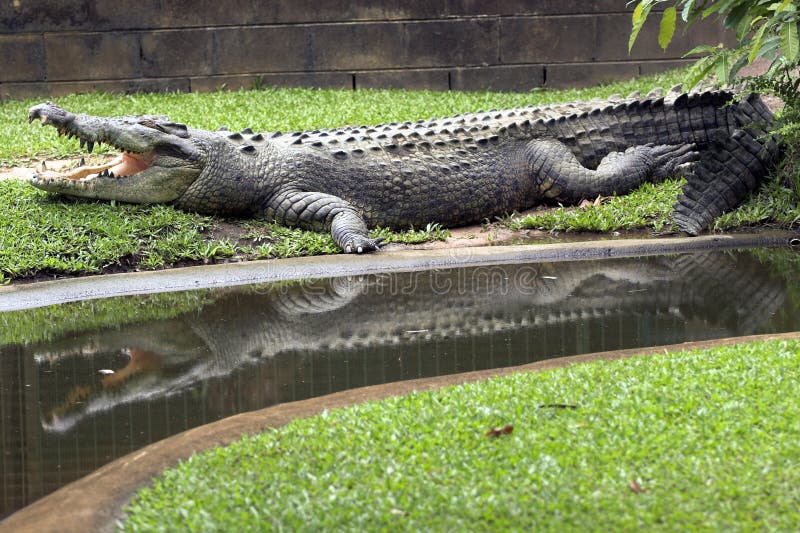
(84,383)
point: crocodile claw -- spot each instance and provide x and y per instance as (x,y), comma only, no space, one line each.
(672,158)
(361,245)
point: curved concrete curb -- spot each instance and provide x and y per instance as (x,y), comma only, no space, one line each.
(95,502)
(15,297)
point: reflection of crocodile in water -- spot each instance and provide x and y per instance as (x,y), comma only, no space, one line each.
(731,293)
(454,171)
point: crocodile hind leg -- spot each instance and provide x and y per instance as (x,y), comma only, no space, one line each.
(731,167)
(560,176)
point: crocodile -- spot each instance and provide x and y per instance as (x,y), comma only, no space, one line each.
(453,171)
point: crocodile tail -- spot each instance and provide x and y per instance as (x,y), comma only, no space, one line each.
(733,288)
(731,166)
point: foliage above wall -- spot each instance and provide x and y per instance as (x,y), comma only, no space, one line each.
(764,29)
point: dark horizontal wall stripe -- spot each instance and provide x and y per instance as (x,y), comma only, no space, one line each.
(49,48)
(107,15)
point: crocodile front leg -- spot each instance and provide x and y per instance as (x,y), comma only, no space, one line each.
(319,211)
(560,176)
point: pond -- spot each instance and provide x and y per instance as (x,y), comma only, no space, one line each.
(84,383)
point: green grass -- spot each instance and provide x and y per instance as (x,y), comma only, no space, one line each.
(706,440)
(649,206)
(774,204)
(43,234)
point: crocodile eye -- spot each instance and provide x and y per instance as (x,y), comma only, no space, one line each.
(169,151)
(173,128)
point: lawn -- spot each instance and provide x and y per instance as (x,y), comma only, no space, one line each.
(704,440)
(44,235)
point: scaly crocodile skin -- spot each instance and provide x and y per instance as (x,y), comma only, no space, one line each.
(455,171)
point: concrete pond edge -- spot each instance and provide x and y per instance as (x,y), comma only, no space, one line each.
(95,502)
(25,296)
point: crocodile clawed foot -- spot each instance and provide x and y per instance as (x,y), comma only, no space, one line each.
(361,245)
(670,159)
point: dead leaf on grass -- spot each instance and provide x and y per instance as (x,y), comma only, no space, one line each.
(496,432)
(585,204)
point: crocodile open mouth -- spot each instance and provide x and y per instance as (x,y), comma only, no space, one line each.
(124,165)
(156,161)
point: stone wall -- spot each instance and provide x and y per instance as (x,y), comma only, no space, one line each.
(61,46)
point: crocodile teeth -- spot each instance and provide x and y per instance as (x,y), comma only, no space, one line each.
(86,171)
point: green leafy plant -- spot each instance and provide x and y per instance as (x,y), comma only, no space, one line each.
(763,28)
